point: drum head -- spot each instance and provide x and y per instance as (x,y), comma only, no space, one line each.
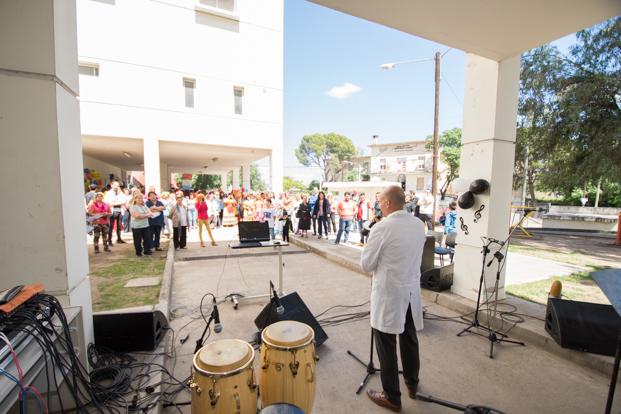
(224,356)
(287,334)
(281,408)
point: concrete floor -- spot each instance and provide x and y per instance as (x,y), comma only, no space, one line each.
(518,380)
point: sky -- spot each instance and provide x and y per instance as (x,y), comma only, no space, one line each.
(333,82)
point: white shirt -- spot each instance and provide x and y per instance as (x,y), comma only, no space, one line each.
(427,206)
(112,197)
(268,215)
(394,253)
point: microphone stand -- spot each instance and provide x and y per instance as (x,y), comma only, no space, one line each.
(199,342)
(475,321)
(273,295)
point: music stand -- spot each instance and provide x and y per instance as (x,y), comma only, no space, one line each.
(609,281)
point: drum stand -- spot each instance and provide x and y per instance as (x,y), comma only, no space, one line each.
(470,409)
(370,366)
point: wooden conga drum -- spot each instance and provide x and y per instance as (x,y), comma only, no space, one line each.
(223,379)
(288,365)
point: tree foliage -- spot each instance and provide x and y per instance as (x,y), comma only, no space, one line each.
(449,143)
(327,151)
(205,181)
(289,183)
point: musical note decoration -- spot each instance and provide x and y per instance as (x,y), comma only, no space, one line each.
(464,228)
(477,214)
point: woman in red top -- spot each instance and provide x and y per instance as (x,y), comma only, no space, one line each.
(203,219)
(100,225)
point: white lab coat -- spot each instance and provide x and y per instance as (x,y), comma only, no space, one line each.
(394,252)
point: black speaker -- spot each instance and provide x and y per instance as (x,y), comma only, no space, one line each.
(295,310)
(130,332)
(589,327)
(429,251)
(437,279)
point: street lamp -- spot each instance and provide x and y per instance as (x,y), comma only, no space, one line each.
(434,180)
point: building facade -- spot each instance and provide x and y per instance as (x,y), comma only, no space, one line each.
(181,86)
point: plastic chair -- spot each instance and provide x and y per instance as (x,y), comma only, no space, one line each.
(449,249)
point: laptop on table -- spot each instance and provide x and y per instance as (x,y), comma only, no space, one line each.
(252,234)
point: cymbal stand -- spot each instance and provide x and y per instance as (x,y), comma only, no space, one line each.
(475,321)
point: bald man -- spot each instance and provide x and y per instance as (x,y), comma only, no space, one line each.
(394,253)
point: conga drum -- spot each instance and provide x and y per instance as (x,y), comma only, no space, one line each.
(223,378)
(288,365)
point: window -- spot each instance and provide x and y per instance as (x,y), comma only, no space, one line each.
(189,85)
(382,165)
(420,165)
(400,164)
(238,93)
(88,70)
(420,183)
(228,5)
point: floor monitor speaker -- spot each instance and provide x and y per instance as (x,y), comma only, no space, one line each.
(130,332)
(295,310)
(437,279)
(590,327)
(429,252)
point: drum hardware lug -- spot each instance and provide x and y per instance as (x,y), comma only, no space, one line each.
(315,357)
(279,366)
(192,384)
(251,385)
(294,368)
(312,379)
(266,361)
(214,395)
(236,395)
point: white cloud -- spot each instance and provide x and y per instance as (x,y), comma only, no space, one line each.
(343,92)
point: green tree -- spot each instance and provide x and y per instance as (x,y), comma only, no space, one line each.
(585,136)
(288,183)
(541,75)
(205,181)
(327,151)
(312,185)
(449,143)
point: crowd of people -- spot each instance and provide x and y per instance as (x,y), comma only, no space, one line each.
(149,215)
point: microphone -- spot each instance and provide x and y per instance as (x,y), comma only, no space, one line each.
(216,315)
(279,308)
(500,242)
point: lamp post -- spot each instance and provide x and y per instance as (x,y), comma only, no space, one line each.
(434,180)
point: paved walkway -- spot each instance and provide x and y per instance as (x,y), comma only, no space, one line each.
(520,379)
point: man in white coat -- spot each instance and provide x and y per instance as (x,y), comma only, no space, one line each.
(394,253)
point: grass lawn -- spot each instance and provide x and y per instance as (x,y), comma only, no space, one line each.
(576,257)
(111,279)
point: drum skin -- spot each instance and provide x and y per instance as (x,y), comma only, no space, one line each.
(223,379)
(288,371)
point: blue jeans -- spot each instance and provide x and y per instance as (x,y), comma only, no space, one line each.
(192,214)
(322,222)
(272,233)
(344,224)
(360,226)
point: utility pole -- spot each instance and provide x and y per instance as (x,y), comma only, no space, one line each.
(434,182)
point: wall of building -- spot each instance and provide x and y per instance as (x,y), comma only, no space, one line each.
(103,169)
(145,49)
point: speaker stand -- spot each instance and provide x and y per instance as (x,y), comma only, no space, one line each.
(370,366)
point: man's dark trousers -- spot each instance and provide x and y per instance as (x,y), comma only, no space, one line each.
(386,345)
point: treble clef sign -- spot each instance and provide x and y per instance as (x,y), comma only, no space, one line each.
(464,228)
(477,214)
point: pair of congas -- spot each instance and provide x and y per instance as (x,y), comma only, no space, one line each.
(223,378)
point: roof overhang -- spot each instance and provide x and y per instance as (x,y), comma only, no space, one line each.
(494,29)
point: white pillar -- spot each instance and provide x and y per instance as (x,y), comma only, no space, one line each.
(490,116)
(236,185)
(151,164)
(224,181)
(43,241)
(276,168)
(246,177)
(164,178)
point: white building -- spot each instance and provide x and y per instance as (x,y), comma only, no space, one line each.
(406,162)
(181,86)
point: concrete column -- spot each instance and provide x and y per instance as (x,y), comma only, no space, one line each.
(276,169)
(223,181)
(164,178)
(152,163)
(490,113)
(42,153)
(246,177)
(236,185)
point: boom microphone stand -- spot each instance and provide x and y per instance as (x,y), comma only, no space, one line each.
(370,367)
(470,409)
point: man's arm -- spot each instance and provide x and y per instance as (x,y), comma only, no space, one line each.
(371,252)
